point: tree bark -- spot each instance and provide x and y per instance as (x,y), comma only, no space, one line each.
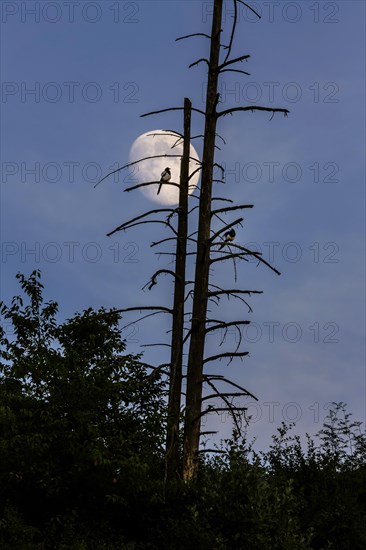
(197,341)
(175,385)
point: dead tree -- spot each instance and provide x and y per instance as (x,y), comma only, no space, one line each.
(193,410)
(173,369)
(176,358)
(198,331)
(206,254)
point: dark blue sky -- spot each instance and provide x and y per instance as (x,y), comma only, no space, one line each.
(76,76)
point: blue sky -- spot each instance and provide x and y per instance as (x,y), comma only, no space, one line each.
(94,68)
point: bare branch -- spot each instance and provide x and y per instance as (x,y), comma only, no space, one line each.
(221,168)
(166,254)
(144,308)
(231,208)
(235,294)
(194,34)
(227,402)
(224,379)
(246,252)
(250,8)
(256,255)
(171,109)
(128,223)
(223,324)
(194,172)
(218,135)
(226,354)
(150,183)
(141,223)
(152,345)
(219,394)
(252,108)
(155,243)
(234,291)
(199,61)
(141,160)
(235,18)
(141,319)
(187,336)
(202,136)
(171,133)
(228,256)
(152,281)
(235,71)
(236,60)
(197,136)
(242,299)
(174,211)
(180,139)
(220,198)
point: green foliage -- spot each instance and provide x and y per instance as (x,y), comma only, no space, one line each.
(82,461)
(81,424)
(288,498)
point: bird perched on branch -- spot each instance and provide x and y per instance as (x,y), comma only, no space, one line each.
(229,236)
(165,176)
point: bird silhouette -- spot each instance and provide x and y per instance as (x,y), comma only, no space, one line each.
(229,236)
(165,176)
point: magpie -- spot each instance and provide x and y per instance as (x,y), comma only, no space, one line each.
(165,176)
(229,236)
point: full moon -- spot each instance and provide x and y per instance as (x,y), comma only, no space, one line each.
(160,142)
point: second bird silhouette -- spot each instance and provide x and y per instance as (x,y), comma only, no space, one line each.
(165,176)
(229,236)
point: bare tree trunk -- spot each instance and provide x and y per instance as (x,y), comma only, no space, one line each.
(197,342)
(199,321)
(175,386)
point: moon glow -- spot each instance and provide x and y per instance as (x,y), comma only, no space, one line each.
(160,143)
